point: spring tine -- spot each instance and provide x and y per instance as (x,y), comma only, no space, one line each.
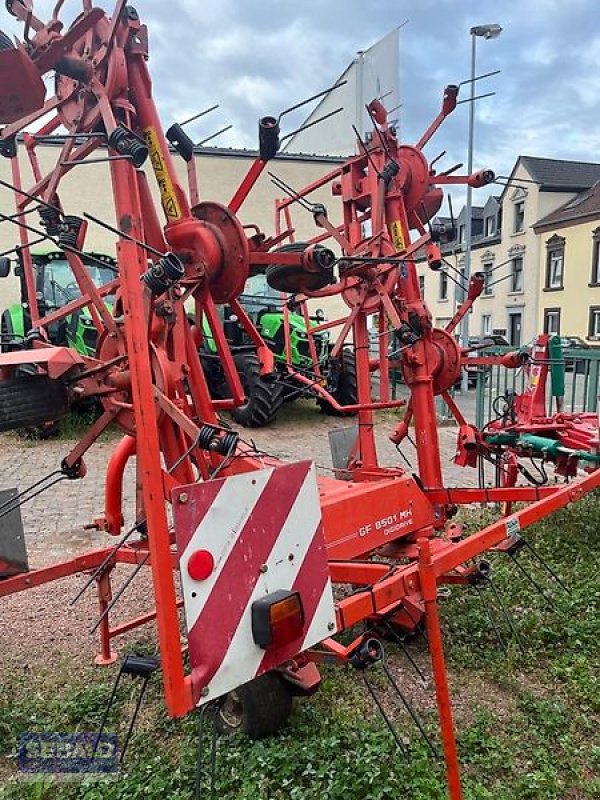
(406,652)
(134,717)
(531,580)
(491,618)
(544,564)
(107,710)
(506,613)
(411,711)
(17,501)
(118,595)
(103,565)
(401,746)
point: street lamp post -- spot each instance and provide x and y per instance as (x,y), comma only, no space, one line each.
(487,32)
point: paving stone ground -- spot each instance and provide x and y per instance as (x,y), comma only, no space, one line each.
(54,521)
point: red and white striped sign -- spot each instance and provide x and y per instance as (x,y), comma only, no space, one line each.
(244,537)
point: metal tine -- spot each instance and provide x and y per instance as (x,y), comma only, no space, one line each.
(413,714)
(284,187)
(531,580)
(213,136)
(480,77)
(134,717)
(103,565)
(18,501)
(119,232)
(545,564)
(107,710)
(20,247)
(478,97)
(451,169)
(310,99)
(406,652)
(493,623)
(100,160)
(366,151)
(506,613)
(30,196)
(310,124)
(119,594)
(197,116)
(401,746)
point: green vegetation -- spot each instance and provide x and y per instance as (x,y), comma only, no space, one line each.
(528,724)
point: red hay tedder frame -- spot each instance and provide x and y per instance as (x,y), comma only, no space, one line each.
(149,378)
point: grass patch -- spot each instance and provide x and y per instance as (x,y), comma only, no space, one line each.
(527,723)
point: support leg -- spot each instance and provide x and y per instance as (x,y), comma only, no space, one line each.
(106,655)
(432,619)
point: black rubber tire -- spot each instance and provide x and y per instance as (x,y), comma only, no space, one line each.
(346,393)
(258,709)
(31,400)
(264,397)
(288,279)
(8,343)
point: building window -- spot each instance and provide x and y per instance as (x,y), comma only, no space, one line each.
(552,321)
(487,279)
(519,224)
(555,262)
(486,324)
(490,226)
(596,258)
(594,323)
(422,285)
(443,285)
(461,234)
(516,276)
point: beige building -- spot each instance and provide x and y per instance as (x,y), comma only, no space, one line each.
(569,267)
(507,248)
(220,171)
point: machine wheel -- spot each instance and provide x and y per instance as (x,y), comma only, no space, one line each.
(263,397)
(346,394)
(258,709)
(8,343)
(30,401)
(289,279)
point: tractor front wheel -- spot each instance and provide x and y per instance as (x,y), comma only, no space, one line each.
(346,393)
(263,397)
(30,401)
(258,709)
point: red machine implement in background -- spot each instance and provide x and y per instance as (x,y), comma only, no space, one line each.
(256,573)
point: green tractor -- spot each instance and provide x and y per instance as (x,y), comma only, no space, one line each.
(55,287)
(266,394)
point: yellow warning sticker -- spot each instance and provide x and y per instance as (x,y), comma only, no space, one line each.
(168,196)
(397,235)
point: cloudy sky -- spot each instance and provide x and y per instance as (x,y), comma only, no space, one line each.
(255,57)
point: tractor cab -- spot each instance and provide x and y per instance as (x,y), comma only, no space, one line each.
(55,287)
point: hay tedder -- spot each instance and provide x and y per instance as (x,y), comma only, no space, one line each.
(273,562)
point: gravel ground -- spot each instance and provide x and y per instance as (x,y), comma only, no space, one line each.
(39,625)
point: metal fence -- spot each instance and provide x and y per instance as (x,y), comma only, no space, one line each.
(582,370)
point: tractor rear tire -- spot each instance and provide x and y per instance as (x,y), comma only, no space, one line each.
(258,709)
(30,401)
(263,397)
(8,342)
(346,393)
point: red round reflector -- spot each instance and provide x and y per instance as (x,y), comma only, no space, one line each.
(200,565)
